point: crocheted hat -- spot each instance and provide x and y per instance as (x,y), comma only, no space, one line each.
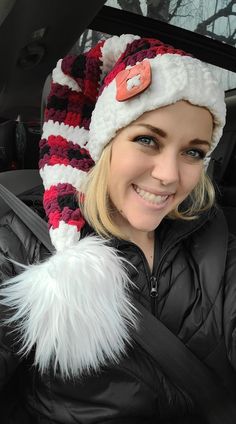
(75,307)
(95,94)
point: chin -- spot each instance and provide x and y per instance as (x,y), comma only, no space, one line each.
(144,226)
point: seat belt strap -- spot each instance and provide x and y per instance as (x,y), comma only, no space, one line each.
(33,221)
(183,368)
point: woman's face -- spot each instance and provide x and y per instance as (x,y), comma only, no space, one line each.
(156,162)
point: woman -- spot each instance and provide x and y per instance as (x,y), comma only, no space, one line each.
(128,130)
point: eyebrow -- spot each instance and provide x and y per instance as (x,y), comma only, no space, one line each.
(156,130)
(163,134)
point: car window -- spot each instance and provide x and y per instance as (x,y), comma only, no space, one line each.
(215,18)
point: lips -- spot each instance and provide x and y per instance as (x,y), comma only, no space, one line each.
(156,199)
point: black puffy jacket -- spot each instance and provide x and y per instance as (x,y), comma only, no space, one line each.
(195,268)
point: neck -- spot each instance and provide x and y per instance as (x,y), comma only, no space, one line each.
(141,238)
(146,244)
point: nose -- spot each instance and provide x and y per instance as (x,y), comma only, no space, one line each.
(166,168)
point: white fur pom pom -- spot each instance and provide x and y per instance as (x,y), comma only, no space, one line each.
(74,308)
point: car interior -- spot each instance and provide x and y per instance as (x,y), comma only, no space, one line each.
(35,34)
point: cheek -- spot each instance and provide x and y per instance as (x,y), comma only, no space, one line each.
(122,174)
(124,165)
(191,176)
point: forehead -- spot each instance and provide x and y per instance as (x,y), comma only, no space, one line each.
(180,108)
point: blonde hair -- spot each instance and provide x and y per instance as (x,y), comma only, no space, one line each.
(98,210)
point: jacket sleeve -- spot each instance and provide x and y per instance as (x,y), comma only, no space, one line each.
(229,307)
(9,360)
(19,244)
(11,246)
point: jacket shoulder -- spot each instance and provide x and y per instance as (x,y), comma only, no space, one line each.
(18,243)
(229,307)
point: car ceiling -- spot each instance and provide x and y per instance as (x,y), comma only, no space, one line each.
(34,34)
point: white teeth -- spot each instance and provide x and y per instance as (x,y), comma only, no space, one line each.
(150,196)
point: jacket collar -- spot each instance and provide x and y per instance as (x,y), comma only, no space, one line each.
(171,231)
(168,232)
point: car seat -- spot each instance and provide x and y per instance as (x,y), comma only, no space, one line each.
(7,145)
(19,182)
(222,168)
(18,145)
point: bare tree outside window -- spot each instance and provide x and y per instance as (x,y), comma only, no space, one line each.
(212,18)
(215,19)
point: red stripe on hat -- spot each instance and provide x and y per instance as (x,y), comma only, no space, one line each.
(79,224)
(73,119)
(54,115)
(58,90)
(67,64)
(57,160)
(96,50)
(54,219)
(50,194)
(91,89)
(57,140)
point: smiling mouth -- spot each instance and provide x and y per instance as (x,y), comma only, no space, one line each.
(150,197)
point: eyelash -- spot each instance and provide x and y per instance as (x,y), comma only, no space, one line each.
(200,153)
(140,139)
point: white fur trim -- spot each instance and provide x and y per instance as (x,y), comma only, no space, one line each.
(59,77)
(74,308)
(74,134)
(174,78)
(55,174)
(64,236)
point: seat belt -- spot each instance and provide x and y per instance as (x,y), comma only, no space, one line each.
(183,368)
(178,363)
(33,221)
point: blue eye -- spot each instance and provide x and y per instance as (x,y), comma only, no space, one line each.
(146,140)
(196,153)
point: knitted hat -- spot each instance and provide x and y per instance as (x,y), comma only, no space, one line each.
(89,87)
(75,307)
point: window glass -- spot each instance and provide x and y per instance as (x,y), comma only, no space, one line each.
(88,39)
(215,18)
(226,78)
